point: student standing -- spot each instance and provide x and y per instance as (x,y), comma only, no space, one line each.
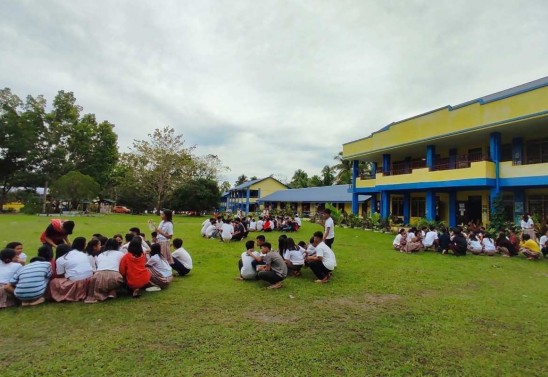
(329,228)
(165,234)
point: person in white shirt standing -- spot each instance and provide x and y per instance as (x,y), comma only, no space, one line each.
(329,228)
(324,262)
(528,226)
(182,262)
(165,234)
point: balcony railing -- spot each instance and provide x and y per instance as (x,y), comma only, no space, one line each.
(458,162)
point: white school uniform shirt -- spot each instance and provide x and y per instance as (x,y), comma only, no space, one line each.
(7,270)
(206,221)
(92,262)
(543,240)
(331,225)
(109,260)
(397,240)
(253,225)
(272,225)
(298,220)
(227,230)
(294,256)
(75,265)
(160,265)
(429,238)
(410,236)
(310,250)
(302,250)
(183,256)
(475,245)
(329,260)
(247,271)
(23,257)
(210,230)
(260,225)
(527,225)
(166,227)
(488,244)
(204,228)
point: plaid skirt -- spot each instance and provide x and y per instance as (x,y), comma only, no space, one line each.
(413,246)
(6,299)
(103,284)
(63,289)
(158,279)
(166,253)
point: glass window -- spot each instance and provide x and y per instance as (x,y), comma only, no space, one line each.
(418,207)
(397,206)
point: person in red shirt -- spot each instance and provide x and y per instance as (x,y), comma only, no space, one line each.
(57,233)
(133,267)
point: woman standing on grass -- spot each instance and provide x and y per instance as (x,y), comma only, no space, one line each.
(528,226)
(165,234)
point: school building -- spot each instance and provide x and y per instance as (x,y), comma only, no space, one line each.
(311,200)
(244,197)
(448,164)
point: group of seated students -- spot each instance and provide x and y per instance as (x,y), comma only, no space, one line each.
(90,271)
(273,266)
(237,229)
(476,241)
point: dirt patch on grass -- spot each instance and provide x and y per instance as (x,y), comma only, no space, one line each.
(363,302)
(277,318)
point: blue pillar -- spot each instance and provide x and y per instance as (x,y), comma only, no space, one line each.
(430,156)
(386,164)
(355,172)
(247,201)
(519,204)
(495,154)
(452,208)
(373,203)
(517,151)
(406,208)
(385,204)
(373,169)
(430,205)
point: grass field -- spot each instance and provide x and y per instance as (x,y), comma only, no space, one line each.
(383,314)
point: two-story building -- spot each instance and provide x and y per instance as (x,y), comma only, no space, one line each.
(449,164)
(244,197)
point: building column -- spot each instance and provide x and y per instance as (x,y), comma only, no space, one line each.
(385,204)
(386,164)
(517,151)
(452,208)
(519,204)
(374,169)
(406,208)
(430,205)
(355,203)
(247,201)
(373,203)
(495,154)
(430,156)
(355,172)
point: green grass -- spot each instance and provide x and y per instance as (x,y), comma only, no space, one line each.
(383,314)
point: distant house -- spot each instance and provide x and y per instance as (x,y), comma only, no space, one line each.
(308,201)
(244,197)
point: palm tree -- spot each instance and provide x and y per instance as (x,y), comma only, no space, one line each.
(299,180)
(344,169)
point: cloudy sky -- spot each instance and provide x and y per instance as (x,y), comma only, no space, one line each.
(269,86)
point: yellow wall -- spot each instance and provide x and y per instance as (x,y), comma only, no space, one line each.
(507,170)
(15,206)
(268,186)
(442,122)
(480,169)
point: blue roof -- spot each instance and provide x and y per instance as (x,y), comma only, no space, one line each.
(323,194)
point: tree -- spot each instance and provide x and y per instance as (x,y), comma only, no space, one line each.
(328,178)
(299,180)
(343,169)
(197,195)
(241,179)
(208,167)
(225,186)
(315,181)
(161,163)
(75,187)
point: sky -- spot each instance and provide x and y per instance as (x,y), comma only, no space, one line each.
(268,86)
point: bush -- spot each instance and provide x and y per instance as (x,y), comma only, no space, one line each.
(33,205)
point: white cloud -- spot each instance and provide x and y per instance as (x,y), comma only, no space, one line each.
(269,86)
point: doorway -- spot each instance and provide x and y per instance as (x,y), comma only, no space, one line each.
(473,209)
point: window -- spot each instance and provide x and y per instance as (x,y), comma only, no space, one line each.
(537,151)
(397,206)
(538,205)
(418,207)
(506,152)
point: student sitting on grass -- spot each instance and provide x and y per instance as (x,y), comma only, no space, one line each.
(107,278)
(73,274)
(444,239)
(293,257)
(160,270)
(133,268)
(8,268)
(226,231)
(544,244)
(212,230)
(239,230)
(529,248)
(400,240)
(274,270)
(504,246)
(414,244)
(249,261)
(488,244)
(458,244)
(324,262)
(20,257)
(93,248)
(205,225)
(30,282)
(474,244)
(430,240)
(182,262)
